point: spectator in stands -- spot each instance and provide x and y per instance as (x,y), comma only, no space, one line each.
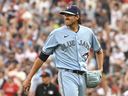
(10,88)
(2,78)
(46,88)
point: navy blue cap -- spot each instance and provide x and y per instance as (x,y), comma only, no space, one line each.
(45,74)
(71,10)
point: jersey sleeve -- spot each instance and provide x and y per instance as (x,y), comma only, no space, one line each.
(50,44)
(95,43)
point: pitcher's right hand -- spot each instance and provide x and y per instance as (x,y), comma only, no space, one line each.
(26,85)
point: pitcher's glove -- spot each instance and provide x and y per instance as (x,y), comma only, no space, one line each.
(92,78)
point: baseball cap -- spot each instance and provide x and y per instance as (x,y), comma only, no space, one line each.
(45,74)
(71,10)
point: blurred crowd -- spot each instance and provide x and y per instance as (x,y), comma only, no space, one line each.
(25,25)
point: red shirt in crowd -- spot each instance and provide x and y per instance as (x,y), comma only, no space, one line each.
(10,89)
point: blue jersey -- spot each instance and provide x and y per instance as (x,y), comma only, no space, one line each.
(71,48)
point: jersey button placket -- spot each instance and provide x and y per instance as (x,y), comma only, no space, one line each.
(77,49)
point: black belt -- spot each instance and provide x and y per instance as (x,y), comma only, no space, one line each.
(75,71)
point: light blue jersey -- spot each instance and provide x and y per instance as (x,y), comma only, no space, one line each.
(71,48)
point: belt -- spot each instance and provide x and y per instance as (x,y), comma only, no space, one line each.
(75,71)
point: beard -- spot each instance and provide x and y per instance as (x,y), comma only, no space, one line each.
(68,22)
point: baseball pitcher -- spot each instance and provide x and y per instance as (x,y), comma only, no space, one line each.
(70,44)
